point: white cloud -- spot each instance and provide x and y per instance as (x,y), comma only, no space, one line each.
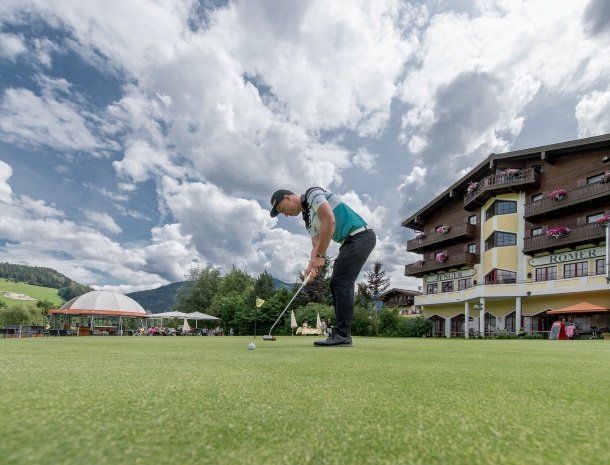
(5,189)
(11,46)
(365,159)
(103,220)
(592,114)
(30,120)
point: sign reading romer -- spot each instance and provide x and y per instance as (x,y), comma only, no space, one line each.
(597,252)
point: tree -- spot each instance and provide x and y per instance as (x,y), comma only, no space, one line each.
(235,299)
(199,290)
(377,283)
(318,289)
(264,286)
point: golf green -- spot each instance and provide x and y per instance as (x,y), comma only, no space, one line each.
(210,400)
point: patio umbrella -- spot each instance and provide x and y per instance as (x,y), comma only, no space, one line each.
(293,321)
(185,326)
(318,322)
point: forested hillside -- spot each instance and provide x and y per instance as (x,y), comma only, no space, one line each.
(46,277)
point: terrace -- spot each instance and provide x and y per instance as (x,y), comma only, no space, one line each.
(455,260)
(499,184)
(587,233)
(456,231)
(580,195)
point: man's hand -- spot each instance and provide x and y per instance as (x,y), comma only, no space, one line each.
(314,267)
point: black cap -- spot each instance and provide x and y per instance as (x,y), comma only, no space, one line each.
(276,198)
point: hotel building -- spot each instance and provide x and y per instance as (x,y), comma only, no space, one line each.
(516,241)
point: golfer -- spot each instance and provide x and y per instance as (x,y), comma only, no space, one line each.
(327,217)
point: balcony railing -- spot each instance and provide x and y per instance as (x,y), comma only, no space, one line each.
(592,232)
(498,184)
(575,196)
(455,231)
(454,260)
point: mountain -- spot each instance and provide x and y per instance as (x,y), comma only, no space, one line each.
(163,298)
(158,300)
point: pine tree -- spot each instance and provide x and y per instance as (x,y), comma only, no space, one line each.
(377,283)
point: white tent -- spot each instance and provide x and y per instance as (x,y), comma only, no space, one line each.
(201,316)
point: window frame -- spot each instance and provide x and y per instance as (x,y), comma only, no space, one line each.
(497,207)
(493,240)
(581,269)
(546,273)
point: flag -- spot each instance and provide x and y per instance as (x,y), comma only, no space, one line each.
(293,320)
(259,302)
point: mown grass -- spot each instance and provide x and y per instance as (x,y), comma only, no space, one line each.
(38,292)
(208,400)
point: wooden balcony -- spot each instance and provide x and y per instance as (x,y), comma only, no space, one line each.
(588,233)
(456,231)
(578,196)
(455,260)
(500,184)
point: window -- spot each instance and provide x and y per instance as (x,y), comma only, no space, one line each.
(472,219)
(447,286)
(548,273)
(536,197)
(500,239)
(595,179)
(536,232)
(501,207)
(573,270)
(593,218)
(600,266)
(472,248)
(464,284)
(432,288)
(501,277)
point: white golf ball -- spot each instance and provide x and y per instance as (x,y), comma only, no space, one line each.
(251,346)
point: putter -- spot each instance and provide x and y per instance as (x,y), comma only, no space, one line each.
(269,337)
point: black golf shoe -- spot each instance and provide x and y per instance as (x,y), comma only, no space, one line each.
(334,341)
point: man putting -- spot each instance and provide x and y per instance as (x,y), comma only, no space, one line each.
(327,217)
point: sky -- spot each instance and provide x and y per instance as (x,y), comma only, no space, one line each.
(140,139)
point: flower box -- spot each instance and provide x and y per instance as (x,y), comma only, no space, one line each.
(472,186)
(419,236)
(605,177)
(441,257)
(557,194)
(444,229)
(603,220)
(510,172)
(557,232)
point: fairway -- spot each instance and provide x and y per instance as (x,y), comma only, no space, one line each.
(209,400)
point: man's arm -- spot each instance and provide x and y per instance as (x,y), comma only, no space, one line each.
(320,242)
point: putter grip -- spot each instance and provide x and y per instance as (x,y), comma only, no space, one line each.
(307,278)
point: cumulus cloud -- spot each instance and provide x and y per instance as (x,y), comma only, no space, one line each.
(103,220)
(592,113)
(11,46)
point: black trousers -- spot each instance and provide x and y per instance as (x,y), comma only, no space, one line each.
(353,254)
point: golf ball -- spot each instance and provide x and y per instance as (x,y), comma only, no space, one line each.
(251,346)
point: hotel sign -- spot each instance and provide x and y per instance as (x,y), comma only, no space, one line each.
(447,276)
(574,256)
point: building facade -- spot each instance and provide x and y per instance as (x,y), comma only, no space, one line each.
(521,234)
(401,299)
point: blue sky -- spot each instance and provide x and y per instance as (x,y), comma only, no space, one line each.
(139,139)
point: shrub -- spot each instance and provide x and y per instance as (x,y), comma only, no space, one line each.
(414,327)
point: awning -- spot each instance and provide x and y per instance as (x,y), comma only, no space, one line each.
(583,307)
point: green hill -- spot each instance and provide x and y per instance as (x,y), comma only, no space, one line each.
(12,293)
(45,277)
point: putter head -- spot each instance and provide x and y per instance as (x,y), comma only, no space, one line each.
(268,337)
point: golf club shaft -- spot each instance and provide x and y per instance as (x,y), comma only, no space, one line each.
(293,297)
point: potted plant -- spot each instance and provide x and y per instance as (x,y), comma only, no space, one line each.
(603,220)
(557,194)
(472,186)
(441,257)
(443,229)
(557,232)
(605,177)
(510,172)
(419,236)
